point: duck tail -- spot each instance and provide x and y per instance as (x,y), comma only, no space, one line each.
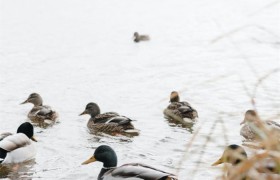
(132,131)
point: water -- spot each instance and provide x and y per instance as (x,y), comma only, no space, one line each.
(74,52)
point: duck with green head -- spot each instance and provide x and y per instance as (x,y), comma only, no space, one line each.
(180,111)
(109,122)
(136,171)
(39,112)
(16,148)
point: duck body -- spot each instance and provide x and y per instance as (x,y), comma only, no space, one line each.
(131,171)
(109,122)
(253,126)
(16,148)
(138,37)
(42,113)
(180,111)
(134,171)
(39,113)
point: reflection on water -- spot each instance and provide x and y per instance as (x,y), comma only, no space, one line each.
(43,124)
(4,171)
(174,123)
(17,171)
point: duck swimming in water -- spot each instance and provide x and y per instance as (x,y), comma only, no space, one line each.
(180,111)
(138,38)
(16,148)
(253,127)
(109,122)
(137,171)
(39,112)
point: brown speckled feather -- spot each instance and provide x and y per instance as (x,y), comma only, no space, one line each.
(247,133)
(41,113)
(102,118)
(109,127)
(183,110)
(250,134)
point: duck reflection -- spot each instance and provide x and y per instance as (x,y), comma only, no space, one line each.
(17,171)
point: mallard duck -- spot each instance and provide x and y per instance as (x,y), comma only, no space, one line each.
(109,122)
(138,38)
(244,168)
(39,112)
(108,157)
(253,127)
(180,111)
(15,148)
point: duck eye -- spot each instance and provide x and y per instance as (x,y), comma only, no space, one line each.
(237,161)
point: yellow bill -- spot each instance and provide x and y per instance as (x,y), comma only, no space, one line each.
(219,161)
(90,160)
(33,139)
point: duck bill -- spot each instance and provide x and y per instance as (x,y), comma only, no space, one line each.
(90,160)
(219,161)
(33,139)
(24,102)
(83,113)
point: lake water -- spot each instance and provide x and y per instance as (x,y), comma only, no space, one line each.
(217,54)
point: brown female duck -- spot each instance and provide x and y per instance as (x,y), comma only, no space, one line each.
(109,122)
(180,111)
(39,112)
(260,166)
(108,157)
(253,126)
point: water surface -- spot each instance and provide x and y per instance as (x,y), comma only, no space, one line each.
(74,52)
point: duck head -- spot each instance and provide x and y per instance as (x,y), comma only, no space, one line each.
(250,116)
(35,99)
(27,129)
(104,154)
(233,154)
(136,37)
(174,96)
(91,109)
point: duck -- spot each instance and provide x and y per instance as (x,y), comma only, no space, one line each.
(40,113)
(180,111)
(108,157)
(109,122)
(254,128)
(138,38)
(260,165)
(19,147)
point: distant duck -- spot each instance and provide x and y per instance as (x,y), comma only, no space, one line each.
(16,148)
(109,122)
(253,127)
(260,167)
(180,111)
(138,38)
(137,171)
(39,112)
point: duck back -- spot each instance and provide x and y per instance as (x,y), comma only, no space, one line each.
(136,171)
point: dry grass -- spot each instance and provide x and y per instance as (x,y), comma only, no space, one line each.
(265,162)
(267,148)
